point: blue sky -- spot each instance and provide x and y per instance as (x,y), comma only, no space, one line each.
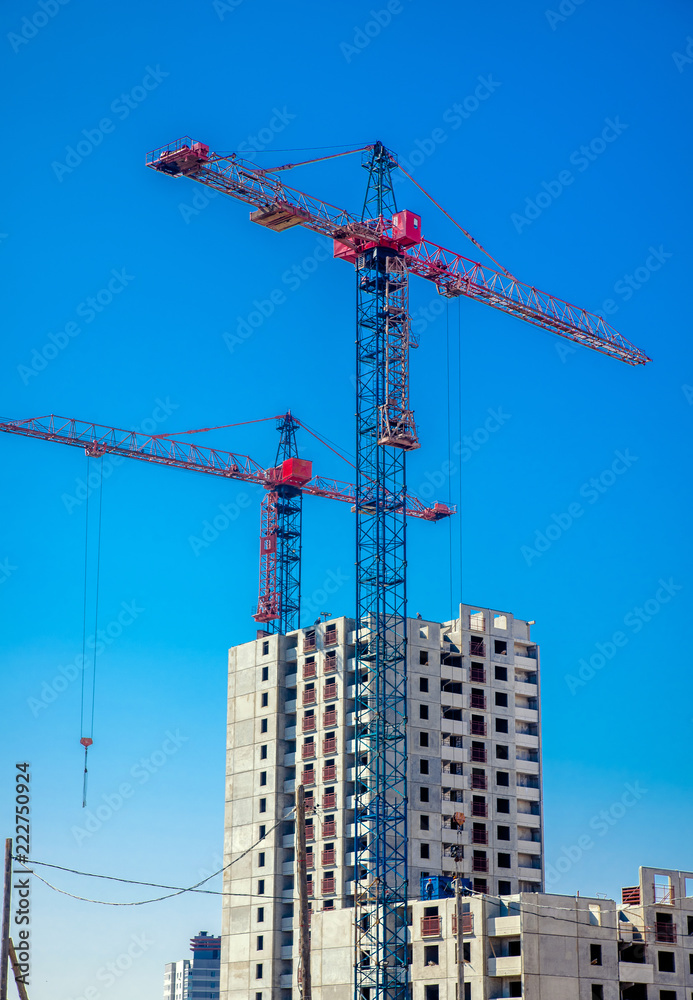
(534,87)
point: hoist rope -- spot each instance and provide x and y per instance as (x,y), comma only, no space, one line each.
(87,740)
(455,223)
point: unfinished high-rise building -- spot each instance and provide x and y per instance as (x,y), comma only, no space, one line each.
(474,777)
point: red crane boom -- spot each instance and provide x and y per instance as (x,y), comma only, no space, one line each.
(281,207)
(97,439)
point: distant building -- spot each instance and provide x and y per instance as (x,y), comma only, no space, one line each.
(199,979)
(176,980)
(203,983)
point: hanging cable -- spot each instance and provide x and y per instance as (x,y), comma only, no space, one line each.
(87,715)
(455,223)
(85,740)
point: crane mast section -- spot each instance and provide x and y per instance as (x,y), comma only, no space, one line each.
(281,207)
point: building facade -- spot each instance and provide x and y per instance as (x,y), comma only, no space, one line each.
(474,777)
(536,946)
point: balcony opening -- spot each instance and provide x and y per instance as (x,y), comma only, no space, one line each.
(479,833)
(477,673)
(634,953)
(663,890)
(451,687)
(478,725)
(666,961)
(595,954)
(477,698)
(478,752)
(514,947)
(665,930)
(479,807)
(431,954)
(476,646)
(636,991)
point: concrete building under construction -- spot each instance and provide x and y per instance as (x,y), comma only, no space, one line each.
(474,777)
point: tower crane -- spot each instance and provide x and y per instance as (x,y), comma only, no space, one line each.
(281,507)
(384,245)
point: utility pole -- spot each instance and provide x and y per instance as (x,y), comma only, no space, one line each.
(303,911)
(6,907)
(18,978)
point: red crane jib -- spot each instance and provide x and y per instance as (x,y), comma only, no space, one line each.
(279,207)
(97,439)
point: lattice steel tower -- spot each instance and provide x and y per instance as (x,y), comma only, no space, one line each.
(384,433)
